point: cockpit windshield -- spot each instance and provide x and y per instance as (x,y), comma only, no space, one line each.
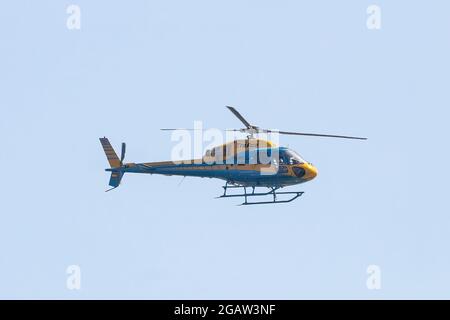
(288,156)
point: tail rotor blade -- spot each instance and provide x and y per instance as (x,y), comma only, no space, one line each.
(122,154)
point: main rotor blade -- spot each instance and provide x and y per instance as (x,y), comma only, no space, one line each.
(239,116)
(174,129)
(317,135)
(301,134)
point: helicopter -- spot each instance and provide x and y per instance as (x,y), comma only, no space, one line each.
(242,163)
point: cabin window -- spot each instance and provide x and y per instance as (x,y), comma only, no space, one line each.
(254,156)
(264,156)
(290,157)
(299,172)
(241,158)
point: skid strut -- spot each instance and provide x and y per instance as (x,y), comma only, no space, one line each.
(246,195)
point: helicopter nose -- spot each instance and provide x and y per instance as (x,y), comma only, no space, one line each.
(311,172)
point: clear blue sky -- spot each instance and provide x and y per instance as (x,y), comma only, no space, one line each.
(294,65)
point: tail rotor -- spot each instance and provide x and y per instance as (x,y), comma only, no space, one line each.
(122,153)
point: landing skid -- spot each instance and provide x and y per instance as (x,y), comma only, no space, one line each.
(273,192)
